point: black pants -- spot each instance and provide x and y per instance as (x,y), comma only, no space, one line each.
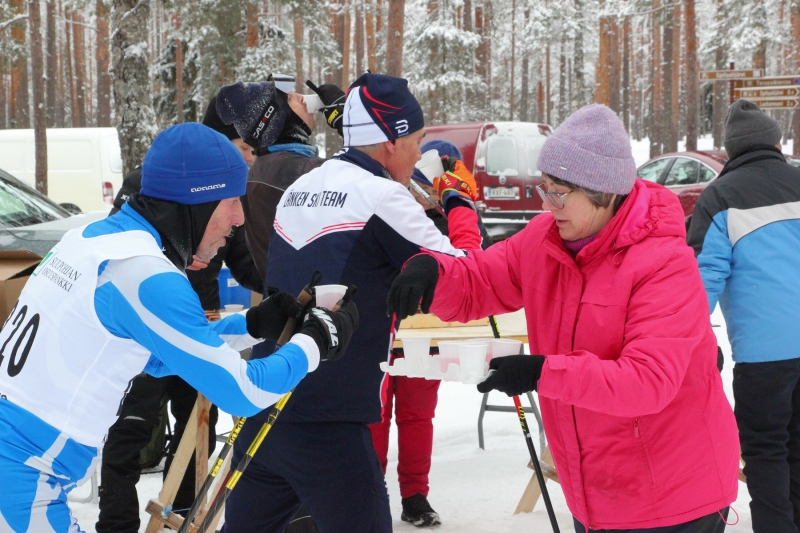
(712,523)
(768,414)
(119,470)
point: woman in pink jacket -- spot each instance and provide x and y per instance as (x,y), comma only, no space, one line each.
(642,435)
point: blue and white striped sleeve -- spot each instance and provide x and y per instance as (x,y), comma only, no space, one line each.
(144,300)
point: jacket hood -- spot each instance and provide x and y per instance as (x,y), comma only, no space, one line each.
(650,210)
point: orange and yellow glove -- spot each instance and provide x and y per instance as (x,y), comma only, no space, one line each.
(456,181)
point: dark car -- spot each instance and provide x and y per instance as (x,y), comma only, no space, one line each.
(31,221)
(688,173)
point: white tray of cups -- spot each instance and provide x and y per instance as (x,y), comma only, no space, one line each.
(464,361)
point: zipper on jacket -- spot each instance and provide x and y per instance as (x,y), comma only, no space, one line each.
(644,449)
(636,427)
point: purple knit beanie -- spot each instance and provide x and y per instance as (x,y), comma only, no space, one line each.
(591,149)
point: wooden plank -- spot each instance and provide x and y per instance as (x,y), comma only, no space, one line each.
(421,320)
(769,92)
(201,443)
(533,491)
(176,471)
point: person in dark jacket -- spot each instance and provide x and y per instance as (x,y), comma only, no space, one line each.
(142,406)
(281,154)
(745,232)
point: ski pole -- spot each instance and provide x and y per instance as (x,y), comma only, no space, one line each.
(201,495)
(536,466)
(419,190)
(235,475)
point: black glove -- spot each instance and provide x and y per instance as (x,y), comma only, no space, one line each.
(417,281)
(514,374)
(331,330)
(333,97)
(267,319)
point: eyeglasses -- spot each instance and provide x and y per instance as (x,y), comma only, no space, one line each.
(555,198)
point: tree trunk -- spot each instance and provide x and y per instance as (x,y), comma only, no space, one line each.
(178,72)
(540,112)
(692,83)
(80,67)
(547,95)
(579,91)
(297,21)
(69,78)
(523,91)
(19,104)
(52,66)
(251,23)
(675,114)
(39,110)
(372,59)
(467,14)
(513,58)
(3,95)
(613,65)
(602,82)
(657,99)
(103,78)
(358,40)
(378,17)
(666,103)
(136,124)
(394,41)
(346,44)
(626,74)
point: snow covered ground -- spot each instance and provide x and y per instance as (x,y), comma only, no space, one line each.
(474,490)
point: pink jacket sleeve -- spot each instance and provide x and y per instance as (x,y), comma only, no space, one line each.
(667,320)
(483,283)
(463,229)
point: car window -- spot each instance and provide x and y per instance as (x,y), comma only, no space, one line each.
(706,174)
(533,145)
(683,172)
(793,161)
(501,156)
(652,171)
(114,155)
(20,206)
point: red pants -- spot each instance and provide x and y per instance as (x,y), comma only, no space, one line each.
(414,402)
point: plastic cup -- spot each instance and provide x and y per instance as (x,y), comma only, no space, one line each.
(233,308)
(430,165)
(416,352)
(449,349)
(504,347)
(472,361)
(313,102)
(328,295)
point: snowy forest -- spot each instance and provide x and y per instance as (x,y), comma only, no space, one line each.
(466,60)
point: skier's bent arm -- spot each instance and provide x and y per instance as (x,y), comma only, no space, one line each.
(143,300)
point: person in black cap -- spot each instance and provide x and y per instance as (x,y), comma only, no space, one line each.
(282,148)
(141,410)
(745,232)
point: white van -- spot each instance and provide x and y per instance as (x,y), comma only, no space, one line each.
(84,165)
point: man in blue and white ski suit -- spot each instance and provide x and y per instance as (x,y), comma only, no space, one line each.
(111,299)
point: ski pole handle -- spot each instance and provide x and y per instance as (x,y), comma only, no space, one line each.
(305,297)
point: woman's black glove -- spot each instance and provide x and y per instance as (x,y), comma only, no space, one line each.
(416,282)
(267,319)
(514,374)
(331,330)
(333,97)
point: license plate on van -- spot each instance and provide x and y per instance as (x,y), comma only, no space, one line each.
(501,193)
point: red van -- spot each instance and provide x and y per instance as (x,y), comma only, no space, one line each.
(502,157)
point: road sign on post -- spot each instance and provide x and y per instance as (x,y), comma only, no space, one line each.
(709,75)
(773,81)
(777,103)
(768,92)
